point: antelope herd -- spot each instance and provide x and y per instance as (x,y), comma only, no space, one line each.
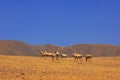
(57,54)
(54,55)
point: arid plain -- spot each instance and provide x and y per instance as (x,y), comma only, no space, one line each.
(38,68)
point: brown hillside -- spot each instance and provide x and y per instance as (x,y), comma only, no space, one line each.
(96,50)
(11,47)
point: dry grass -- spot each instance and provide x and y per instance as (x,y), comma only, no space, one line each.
(36,68)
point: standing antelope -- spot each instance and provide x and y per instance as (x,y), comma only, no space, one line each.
(47,54)
(63,55)
(77,56)
(57,54)
(88,57)
(52,55)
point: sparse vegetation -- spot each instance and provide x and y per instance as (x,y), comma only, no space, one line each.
(37,68)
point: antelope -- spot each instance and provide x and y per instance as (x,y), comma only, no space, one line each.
(57,54)
(48,54)
(77,56)
(63,55)
(45,53)
(88,57)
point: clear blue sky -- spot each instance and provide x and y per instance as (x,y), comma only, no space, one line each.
(60,22)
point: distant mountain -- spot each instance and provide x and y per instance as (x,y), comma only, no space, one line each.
(11,47)
(96,49)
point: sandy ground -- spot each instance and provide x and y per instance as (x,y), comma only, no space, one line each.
(37,68)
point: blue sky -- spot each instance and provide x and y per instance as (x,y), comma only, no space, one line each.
(60,22)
